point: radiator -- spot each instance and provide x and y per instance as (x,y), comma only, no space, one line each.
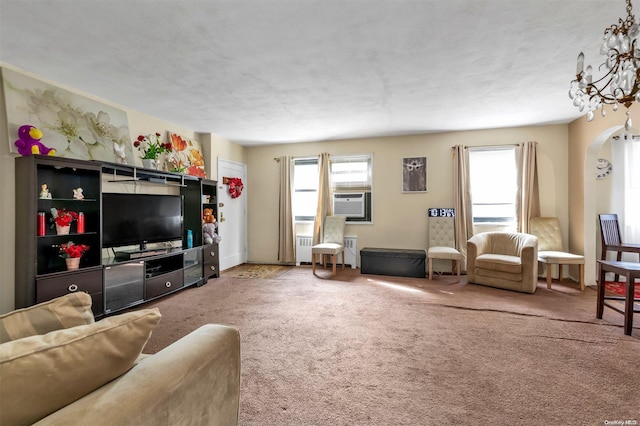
(304,243)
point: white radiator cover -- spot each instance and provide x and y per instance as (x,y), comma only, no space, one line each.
(304,243)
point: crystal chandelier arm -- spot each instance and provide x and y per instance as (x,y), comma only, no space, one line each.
(619,84)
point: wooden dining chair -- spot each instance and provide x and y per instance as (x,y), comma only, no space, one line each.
(612,240)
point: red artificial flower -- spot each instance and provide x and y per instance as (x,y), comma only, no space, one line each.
(63,217)
(72,250)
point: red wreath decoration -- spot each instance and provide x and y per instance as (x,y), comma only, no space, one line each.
(235,187)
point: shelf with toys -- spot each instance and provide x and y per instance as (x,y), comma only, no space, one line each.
(59,230)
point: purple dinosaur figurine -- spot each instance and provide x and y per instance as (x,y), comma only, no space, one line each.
(28,142)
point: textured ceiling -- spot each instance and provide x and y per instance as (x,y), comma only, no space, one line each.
(274,71)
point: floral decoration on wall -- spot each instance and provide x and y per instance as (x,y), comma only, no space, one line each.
(185,156)
(73,125)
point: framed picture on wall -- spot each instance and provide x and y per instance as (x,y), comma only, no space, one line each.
(186,156)
(414,174)
(73,125)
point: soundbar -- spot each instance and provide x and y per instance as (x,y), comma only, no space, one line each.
(137,254)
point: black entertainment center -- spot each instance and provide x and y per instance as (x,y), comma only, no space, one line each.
(142,245)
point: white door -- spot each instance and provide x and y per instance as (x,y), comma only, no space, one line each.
(232,216)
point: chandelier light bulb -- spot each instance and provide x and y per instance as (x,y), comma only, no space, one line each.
(619,84)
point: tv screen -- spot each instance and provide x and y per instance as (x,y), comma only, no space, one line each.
(137,219)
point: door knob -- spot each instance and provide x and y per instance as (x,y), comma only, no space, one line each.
(221,205)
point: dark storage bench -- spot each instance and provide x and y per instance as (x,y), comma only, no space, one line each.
(400,262)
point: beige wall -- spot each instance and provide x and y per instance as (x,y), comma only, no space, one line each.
(583,230)
(139,123)
(400,220)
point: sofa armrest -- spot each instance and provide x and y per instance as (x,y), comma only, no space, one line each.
(476,245)
(194,381)
(529,260)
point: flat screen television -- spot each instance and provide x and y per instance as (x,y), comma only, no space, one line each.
(138,219)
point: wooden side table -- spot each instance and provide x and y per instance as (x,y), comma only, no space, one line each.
(630,271)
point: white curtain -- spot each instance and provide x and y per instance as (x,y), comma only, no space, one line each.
(625,156)
(286,226)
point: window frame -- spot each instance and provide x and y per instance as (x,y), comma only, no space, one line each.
(366,187)
(496,220)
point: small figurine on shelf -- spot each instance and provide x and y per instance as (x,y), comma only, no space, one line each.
(209,227)
(77,194)
(44,191)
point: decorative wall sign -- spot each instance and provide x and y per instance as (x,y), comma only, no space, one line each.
(440,212)
(414,174)
(186,156)
(75,126)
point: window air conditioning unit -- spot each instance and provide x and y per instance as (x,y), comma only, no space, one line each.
(348,204)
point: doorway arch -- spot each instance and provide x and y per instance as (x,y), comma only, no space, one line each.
(591,233)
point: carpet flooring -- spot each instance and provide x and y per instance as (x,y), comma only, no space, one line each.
(376,350)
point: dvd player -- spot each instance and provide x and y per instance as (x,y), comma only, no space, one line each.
(137,254)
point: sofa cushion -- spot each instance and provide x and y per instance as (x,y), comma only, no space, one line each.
(63,312)
(499,262)
(57,368)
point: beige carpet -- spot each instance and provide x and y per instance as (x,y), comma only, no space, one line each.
(377,350)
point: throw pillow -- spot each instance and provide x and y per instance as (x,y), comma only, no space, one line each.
(41,374)
(62,312)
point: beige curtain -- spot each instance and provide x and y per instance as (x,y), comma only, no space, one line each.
(528,201)
(462,200)
(286,225)
(325,203)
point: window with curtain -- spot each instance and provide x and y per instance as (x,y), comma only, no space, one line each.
(493,184)
(351,178)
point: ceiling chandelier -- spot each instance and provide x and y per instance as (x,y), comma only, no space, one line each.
(619,85)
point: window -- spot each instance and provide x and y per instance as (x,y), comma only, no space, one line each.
(351,177)
(493,184)
(305,189)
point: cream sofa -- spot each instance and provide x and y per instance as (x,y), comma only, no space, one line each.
(503,259)
(59,367)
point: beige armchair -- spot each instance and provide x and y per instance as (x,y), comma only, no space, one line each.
(550,250)
(505,260)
